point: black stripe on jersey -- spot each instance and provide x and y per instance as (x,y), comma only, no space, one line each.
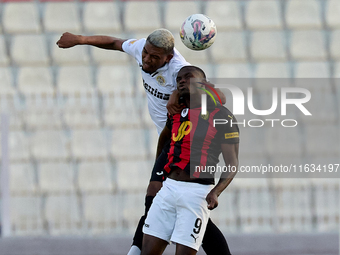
(153,75)
(212,149)
(199,138)
(200,133)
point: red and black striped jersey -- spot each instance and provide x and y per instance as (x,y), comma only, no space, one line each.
(195,141)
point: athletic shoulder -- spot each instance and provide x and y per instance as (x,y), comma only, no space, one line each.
(227,127)
(224,112)
(177,62)
(133,46)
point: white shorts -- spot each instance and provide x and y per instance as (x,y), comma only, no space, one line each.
(179,213)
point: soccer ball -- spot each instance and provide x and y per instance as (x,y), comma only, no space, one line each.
(198,32)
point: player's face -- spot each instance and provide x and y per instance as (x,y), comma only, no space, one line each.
(184,86)
(153,58)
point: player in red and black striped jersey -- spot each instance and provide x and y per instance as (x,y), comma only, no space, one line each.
(159,63)
(203,146)
(180,211)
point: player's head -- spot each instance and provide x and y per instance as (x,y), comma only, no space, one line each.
(158,50)
(188,79)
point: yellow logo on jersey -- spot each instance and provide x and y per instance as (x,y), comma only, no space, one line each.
(132,42)
(231,135)
(161,80)
(184,129)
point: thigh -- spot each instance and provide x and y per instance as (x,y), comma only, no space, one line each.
(214,242)
(184,250)
(153,245)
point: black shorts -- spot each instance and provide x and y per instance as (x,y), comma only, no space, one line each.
(158,173)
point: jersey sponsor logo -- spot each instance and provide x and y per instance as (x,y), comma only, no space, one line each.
(231,135)
(155,92)
(161,80)
(184,129)
(132,42)
(160,173)
(184,112)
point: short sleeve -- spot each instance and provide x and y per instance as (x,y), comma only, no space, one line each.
(134,47)
(227,132)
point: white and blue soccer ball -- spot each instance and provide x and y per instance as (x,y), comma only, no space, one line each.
(198,32)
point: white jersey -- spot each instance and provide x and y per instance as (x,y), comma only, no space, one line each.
(158,85)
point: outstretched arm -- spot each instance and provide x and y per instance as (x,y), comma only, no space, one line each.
(68,40)
(230,155)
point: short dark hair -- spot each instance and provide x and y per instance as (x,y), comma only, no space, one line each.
(195,68)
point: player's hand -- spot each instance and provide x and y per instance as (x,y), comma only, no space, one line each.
(212,200)
(68,40)
(173,106)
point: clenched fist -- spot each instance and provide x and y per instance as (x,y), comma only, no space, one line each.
(212,200)
(68,40)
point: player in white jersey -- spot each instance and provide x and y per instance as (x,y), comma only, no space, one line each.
(159,62)
(159,84)
(159,66)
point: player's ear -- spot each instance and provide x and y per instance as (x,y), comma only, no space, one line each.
(204,81)
(169,57)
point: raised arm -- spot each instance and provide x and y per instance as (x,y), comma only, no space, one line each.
(68,40)
(230,155)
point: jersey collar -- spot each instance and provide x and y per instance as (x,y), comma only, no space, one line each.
(161,69)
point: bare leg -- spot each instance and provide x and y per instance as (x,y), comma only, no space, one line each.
(184,250)
(153,245)
(153,188)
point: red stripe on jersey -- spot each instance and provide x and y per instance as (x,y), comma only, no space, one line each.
(183,144)
(211,132)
